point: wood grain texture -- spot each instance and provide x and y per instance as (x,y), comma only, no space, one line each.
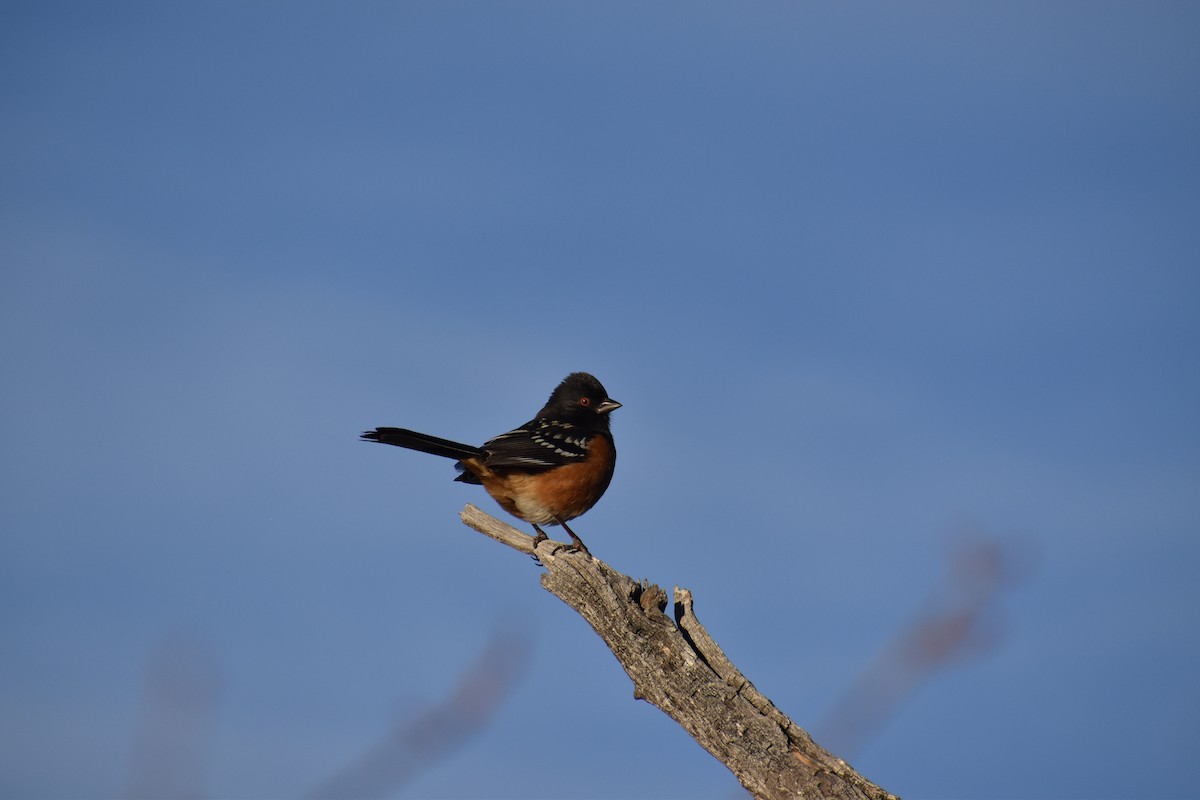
(676,665)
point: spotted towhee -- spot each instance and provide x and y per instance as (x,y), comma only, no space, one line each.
(550,470)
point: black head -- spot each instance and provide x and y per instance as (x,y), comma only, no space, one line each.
(580,398)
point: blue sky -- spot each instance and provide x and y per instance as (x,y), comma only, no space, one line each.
(863,275)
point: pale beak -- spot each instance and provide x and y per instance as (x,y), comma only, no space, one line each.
(607,406)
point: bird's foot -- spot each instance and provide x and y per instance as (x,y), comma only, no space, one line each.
(577,545)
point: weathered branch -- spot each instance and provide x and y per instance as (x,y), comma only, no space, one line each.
(678,667)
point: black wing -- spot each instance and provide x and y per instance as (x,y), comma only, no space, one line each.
(538,444)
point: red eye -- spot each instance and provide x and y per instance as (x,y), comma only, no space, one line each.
(585,402)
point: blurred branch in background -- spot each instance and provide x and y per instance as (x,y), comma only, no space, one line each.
(423,741)
(176,723)
(960,621)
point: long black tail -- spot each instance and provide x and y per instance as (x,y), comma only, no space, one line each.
(402,437)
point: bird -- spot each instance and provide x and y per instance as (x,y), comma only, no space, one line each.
(548,471)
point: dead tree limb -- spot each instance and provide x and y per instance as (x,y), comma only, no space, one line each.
(677,666)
